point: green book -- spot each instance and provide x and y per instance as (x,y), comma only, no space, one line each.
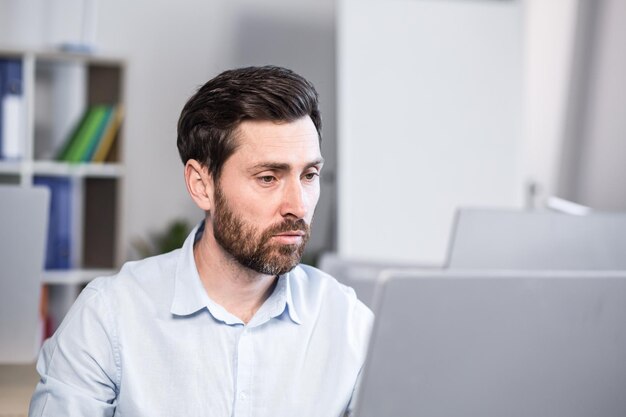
(85,136)
(71,139)
(97,137)
(108,137)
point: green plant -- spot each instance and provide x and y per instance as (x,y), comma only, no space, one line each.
(165,241)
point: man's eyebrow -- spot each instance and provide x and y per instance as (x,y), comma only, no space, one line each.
(319,161)
(281,166)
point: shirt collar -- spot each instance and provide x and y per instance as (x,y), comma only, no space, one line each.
(291,306)
(191,297)
(189,293)
(279,301)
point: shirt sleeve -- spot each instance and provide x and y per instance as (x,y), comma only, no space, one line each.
(351,408)
(79,365)
(364,331)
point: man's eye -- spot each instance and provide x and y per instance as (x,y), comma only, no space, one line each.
(267,179)
(311,175)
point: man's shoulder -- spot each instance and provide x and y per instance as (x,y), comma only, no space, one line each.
(146,274)
(316,286)
(317,280)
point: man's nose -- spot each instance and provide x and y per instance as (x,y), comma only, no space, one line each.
(294,200)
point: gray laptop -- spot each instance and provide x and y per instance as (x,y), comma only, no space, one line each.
(516,239)
(23,227)
(493,344)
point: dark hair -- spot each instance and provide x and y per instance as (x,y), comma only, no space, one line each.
(208,120)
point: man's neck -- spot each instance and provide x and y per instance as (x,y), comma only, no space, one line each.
(240,290)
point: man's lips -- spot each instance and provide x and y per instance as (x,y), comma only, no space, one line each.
(291,233)
(290,238)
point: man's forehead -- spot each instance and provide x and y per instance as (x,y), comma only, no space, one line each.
(275,129)
(260,136)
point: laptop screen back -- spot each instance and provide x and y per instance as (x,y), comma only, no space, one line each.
(515,239)
(23,226)
(491,345)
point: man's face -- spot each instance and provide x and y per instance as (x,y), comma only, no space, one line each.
(267,193)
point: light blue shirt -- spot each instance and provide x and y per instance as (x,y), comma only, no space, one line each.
(150,342)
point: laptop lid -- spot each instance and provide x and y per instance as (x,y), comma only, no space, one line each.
(23,226)
(516,239)
(492,344)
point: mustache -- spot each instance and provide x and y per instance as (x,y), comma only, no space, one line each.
(288,225)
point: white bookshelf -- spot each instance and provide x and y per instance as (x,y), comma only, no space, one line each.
(57,88)
(74,276)
(28,169)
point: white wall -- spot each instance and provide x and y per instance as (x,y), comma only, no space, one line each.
(402,175)
(430,103)
(548,55)
(600,169)
(173,48)
(575,96)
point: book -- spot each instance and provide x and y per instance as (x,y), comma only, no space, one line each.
(108,137)
(12,127)
(63,151)
(59,239)
(2,93)
(11,109)
(86,134)
(97,137)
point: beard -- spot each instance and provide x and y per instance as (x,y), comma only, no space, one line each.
(252,248)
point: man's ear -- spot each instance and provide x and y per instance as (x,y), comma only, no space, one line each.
(199,184)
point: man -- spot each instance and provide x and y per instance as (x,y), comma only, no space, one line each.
(230,324)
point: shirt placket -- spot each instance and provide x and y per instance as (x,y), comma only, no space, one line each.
(245,369)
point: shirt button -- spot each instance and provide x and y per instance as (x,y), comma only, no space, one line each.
(243,396)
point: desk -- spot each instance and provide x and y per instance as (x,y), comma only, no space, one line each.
(17,383)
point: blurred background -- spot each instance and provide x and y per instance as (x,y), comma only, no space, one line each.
(427,104)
